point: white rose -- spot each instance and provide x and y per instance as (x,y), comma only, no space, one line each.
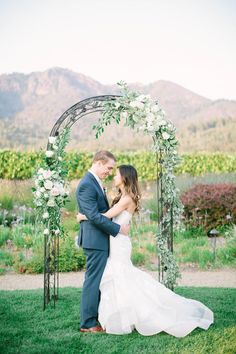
(49,153)
(150,128)
(45,195)
(45,215)
(133,104)
(165,136)
(40,178)
(36,182)
(140,98)
(41,170)
(38,203)
(47,174)
(52,139)
(38,194)
(142,127)
(60,158)
(155,108)
(136,104)
(60,188)
(124,115)
(150,118)
(55,192)
(57,232)
(51,203)
(42,189)
(46,232)
(143,98)
(139,105)
(55,147)
(48,184)
(162,122)
(117,105)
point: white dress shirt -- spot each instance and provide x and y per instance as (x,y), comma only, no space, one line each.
(98,180)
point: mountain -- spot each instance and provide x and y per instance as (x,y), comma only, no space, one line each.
(31,104)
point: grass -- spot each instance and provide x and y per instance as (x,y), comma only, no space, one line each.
(26,329)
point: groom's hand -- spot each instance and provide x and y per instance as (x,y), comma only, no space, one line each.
(124,229)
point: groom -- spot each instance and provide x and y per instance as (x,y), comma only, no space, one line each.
(94,235)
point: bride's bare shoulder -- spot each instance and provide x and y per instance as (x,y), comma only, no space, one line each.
(128,201)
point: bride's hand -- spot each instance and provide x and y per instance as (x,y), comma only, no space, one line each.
(81,217)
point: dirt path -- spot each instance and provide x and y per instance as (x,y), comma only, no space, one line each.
(214,278)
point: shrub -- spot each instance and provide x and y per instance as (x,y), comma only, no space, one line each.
(34,264)
(5,234)
(18,215)
(138,258)
(189,233)
(210,206)
(70,258)
(24,235)
(6,258)
(2,271)
(6,202)
(7,218)
(19,263)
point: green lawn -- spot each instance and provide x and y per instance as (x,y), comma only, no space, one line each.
(25,328)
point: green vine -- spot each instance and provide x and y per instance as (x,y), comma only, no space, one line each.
(50,193)
(143,114)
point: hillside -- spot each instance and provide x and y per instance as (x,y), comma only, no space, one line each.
(31,104)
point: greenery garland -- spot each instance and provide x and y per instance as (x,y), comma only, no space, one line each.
(50,193)
(143,114)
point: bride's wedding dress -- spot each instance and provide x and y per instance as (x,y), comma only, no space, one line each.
(132,299)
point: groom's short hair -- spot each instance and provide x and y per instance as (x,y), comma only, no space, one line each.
(104,156)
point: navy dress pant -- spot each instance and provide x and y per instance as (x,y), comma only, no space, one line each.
(95,264)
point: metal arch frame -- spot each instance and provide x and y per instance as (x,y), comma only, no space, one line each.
(51,243)
(79,110)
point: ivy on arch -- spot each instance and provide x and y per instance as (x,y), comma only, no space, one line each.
(140,113)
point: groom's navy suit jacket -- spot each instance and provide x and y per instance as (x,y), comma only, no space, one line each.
(94,232)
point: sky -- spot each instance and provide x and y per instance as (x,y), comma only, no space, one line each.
(189,42)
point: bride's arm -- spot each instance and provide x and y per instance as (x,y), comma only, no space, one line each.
(114,211)
(123,204)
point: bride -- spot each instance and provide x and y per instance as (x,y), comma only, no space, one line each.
(130,298)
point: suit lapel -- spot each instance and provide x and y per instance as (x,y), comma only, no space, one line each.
(100,189)
(105,196)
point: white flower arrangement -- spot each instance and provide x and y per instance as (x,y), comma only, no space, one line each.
(143,114)
(49,153)
(50,193)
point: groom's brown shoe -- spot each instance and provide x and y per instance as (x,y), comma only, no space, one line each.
(93,330)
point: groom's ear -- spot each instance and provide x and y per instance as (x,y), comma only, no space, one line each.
(100,163)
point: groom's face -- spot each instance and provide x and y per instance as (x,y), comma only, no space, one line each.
(105,169)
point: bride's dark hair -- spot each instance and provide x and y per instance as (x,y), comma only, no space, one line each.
(129,177)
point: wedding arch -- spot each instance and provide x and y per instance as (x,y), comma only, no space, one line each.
(140,113)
